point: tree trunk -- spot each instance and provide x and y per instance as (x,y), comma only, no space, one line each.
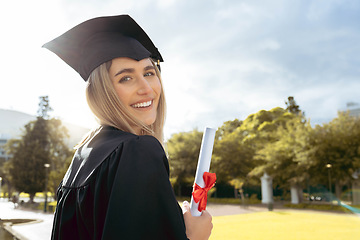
(338,188)
(356,192)
(300,194)
(242,196)
(32,195)
(9,190)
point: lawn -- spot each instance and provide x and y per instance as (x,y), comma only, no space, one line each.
(289,225)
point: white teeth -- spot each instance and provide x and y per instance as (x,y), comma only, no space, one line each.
(141,105)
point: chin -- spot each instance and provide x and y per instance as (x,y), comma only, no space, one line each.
(148,120)
(148,123)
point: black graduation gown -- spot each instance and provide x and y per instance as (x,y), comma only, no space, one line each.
(117,187)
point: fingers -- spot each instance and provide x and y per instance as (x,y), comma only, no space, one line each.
(185,207)
(206,214)
(207,218)
(197,227)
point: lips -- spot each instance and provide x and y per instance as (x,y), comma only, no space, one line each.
(142,104)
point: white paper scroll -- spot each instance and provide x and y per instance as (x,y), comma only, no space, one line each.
(203,164)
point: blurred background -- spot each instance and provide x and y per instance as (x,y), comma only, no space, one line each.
(278,79)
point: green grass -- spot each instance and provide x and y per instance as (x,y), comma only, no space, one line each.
(286,225)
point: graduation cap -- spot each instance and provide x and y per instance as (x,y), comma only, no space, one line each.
(98,40)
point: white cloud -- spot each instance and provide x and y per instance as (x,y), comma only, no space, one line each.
(223,59)
(269,44)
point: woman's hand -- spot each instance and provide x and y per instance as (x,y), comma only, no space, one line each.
(197,228)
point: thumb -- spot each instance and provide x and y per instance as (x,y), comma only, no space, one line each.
(185,207)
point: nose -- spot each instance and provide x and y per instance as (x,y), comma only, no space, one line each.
(144,86)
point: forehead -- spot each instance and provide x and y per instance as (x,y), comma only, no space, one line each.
(124,62)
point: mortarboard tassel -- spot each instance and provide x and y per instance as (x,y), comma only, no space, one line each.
(158,65)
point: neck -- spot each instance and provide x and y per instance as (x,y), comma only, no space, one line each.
(138,130)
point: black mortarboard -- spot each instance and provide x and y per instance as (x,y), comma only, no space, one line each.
(98,40)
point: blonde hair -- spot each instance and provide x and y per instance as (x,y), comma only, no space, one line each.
(109,110)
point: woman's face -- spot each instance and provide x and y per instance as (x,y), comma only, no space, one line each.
(137,86)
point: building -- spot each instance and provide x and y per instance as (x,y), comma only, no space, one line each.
(3,140)
(353,109)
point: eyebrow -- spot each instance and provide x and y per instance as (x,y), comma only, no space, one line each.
(131,70)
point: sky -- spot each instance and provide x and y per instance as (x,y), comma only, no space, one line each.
(223,59)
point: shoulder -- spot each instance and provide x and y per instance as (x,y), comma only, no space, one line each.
(144,143)
(111,139)
(111,144)
(145,151)
(109,136)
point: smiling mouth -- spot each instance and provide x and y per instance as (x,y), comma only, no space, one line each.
(142,105)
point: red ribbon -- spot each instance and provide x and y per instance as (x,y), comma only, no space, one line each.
(200,194)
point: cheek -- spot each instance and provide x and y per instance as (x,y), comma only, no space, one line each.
(157,87)
(122,95)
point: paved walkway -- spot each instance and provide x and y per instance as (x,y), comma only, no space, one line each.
(41,228)
(37,230)
(228,209)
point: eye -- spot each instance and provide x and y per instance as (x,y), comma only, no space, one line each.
(149,74)
(124,79)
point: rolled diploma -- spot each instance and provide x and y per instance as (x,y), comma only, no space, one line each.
(203,164)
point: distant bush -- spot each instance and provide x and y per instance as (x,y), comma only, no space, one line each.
(321,207)
(50,206)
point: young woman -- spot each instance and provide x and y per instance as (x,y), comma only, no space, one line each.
(117,186)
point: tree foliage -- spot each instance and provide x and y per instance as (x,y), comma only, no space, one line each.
(29,156)
(258,128)
(336,143)
(227,128)
(279,142)
(60,154)
(42,143)
(292,107)
(183,152)
(6,177)
(235,151)
(232,158)
(44,107)
(285,158)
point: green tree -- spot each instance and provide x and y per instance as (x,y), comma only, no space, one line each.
(257,127)
(286,158)
(238,141)
(227,128)
(258,130)
(336,143)
(6,188)
(41,143)
(44,107)
(228,152)
(183,150)
(29,156)
(232,159)
(292,107)
(60,154)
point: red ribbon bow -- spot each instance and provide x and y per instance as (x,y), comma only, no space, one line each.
(200,194)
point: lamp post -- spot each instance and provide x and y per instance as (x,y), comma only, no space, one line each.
(328,166)
(46,165)
(0,185)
